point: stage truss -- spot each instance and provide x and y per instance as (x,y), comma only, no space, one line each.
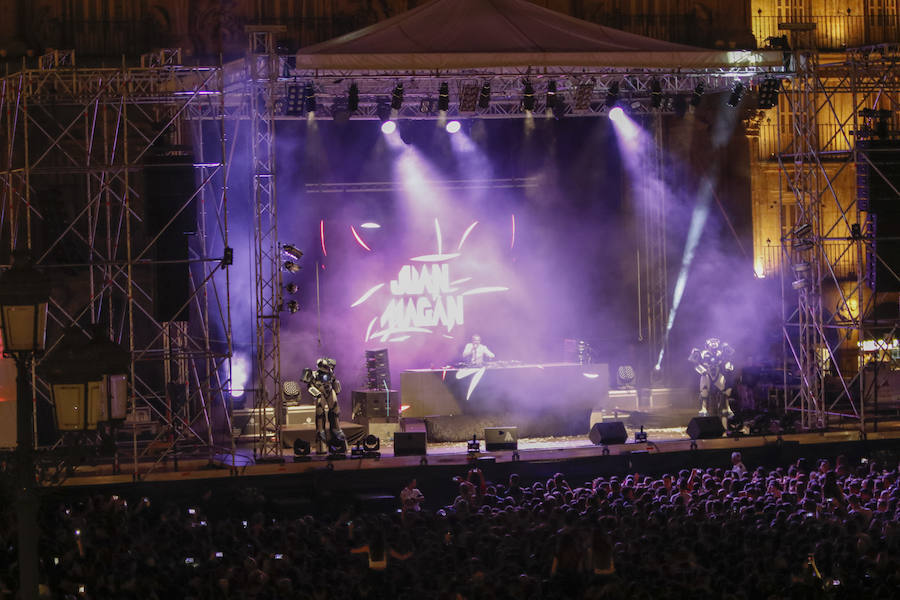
(865,79)
(76,143)
(98,124)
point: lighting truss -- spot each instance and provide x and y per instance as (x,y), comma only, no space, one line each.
(582,90)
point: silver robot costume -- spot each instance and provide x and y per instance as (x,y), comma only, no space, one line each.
(714,365)
(324,388)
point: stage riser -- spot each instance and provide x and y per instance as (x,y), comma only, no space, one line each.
(460,428)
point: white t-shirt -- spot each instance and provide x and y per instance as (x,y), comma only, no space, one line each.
(475,355)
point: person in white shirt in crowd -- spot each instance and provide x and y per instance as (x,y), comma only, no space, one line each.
(737,464)
(411,497)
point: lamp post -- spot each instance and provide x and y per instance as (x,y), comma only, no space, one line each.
(24,296)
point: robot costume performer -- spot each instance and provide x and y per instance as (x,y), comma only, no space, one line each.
(714,365)
(324,387)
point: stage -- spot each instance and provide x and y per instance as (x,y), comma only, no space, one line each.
(667,449)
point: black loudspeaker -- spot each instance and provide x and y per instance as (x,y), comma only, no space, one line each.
(171,216)
(501,438)
(378,369)
(705,428)
(610,432)
(409,443)
(878,175)
(371,404)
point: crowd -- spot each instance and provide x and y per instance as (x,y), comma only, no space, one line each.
(805,531)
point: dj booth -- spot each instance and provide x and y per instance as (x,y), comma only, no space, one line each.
(540,399)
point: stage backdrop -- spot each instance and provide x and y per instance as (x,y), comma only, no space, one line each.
(417,240)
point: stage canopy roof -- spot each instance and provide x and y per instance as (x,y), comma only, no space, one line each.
(477,34)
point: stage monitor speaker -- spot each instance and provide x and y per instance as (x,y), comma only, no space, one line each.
(701,428)
(501,438)
(409,443)
(609,432)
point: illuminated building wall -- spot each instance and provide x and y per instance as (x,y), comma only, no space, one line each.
(839,24)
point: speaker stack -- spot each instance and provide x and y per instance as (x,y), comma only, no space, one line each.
(171,217)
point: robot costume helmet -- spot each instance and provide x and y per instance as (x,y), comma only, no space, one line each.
(326,364)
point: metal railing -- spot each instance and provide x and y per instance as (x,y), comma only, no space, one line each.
(841,257)
(833,32)
(830,137)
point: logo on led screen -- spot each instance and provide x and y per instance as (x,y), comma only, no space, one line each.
(423,298)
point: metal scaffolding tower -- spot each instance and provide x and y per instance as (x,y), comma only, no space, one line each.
(844,91)
(79,147)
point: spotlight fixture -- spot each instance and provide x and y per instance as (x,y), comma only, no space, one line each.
(444,97)
(371,443)
(353,98)
(768,93)
(737,93)
(337,448)
(309,98)
(367,447)
(291,288)
(801,240)
(290,389)
(612,94)
(293,306)
(528,96)
(468,97)
(293,104)
(484,96)
(801,275)
(697,95)
(625,377)
(389,127)
(583,95)
(453,126)
(655,93)
(291,267)
(550,101)
(397,97)
(802,245)
(291,251)
(802,230)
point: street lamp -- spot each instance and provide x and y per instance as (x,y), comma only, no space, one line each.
(24,296)
(88,380)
